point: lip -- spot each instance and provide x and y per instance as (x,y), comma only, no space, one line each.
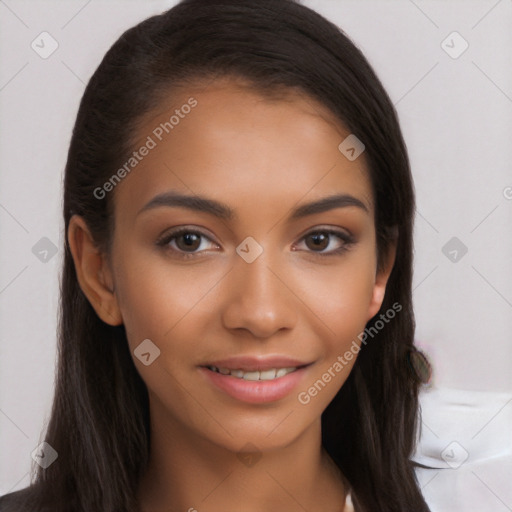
(256,392)
(257,363)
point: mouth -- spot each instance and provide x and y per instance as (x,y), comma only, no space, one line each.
(255,381)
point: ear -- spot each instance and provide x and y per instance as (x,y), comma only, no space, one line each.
(381,278)
(93,273)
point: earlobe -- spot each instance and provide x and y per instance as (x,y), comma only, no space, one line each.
(93,273)
(381,279)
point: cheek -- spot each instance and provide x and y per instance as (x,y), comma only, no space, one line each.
(341,299)
(342,295)
(165,303)
(339,353)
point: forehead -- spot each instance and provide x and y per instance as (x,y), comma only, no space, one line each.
(229,142)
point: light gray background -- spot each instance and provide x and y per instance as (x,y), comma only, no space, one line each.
(456,116)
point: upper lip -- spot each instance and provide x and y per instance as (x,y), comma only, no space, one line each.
(257,363)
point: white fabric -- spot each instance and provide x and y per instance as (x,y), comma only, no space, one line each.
(349,507)
(466,441)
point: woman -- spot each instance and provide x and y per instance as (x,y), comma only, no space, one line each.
(236,321)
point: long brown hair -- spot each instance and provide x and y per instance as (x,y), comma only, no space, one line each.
(99,422)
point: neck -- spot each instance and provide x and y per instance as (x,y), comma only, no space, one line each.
(187,472)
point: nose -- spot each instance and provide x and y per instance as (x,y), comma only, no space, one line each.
(259,300)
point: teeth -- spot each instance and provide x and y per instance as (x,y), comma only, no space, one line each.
(268,374)
(271,374)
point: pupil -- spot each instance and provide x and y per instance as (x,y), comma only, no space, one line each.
(190,240)
(320,241)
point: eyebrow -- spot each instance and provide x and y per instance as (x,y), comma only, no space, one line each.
(223,211)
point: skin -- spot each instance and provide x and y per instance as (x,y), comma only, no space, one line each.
(262,158)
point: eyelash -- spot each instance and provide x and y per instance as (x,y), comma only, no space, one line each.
(164,240)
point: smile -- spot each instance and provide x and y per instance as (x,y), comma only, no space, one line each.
(270,374)
(254,386)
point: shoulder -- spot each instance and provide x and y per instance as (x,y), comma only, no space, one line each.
(19,501)
(12,500)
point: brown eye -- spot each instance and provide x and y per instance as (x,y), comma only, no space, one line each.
(317,241)
(188,241)
(327,242)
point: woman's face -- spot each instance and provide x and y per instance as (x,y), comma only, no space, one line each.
(221,259)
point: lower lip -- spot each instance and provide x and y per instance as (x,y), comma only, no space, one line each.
(255,391)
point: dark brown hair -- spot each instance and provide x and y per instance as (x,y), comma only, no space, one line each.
(99,421)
